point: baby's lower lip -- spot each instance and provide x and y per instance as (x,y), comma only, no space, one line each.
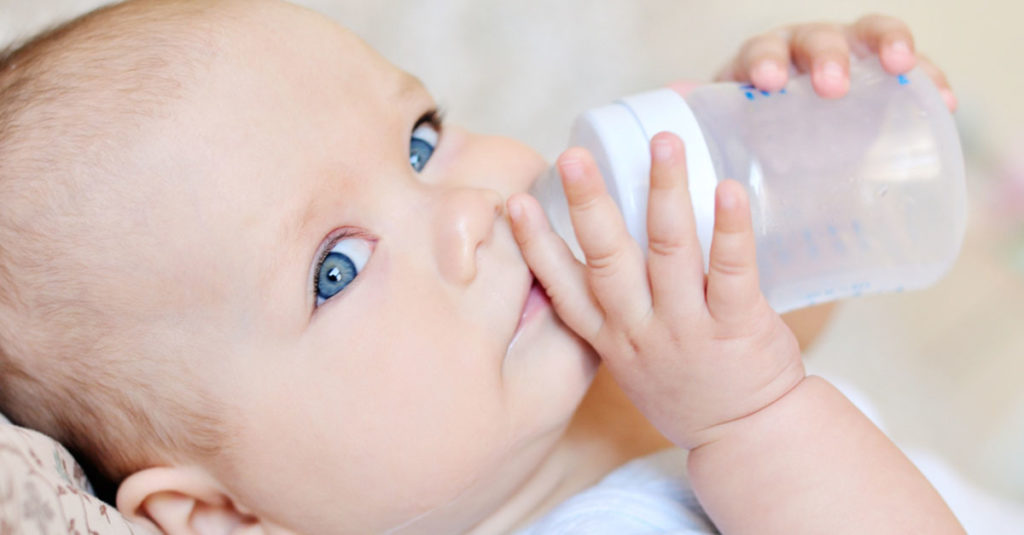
(536,301)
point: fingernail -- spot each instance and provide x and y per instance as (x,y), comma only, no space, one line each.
(662,150)
(572,170)
(515,210)
(899,48)
(767,72)
(726,200)
(832,71)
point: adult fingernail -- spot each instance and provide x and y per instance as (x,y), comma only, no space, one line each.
(767,72)
(899,49)
(832,71)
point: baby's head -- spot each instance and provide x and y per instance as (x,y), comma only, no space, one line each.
(242,267)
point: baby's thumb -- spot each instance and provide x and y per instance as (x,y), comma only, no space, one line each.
(549,258)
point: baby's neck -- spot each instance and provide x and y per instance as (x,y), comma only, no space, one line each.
(610,428)
(606,431)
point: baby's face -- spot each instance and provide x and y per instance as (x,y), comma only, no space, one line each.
(359,287)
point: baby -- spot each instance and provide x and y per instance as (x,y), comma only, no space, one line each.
(247,274)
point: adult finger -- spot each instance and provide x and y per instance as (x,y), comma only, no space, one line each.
(888,37)
(939,79)
(763,61)
(822,50)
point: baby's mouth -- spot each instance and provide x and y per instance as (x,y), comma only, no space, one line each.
(536,299)
(534,303)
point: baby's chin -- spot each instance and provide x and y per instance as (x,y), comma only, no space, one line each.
(553,368)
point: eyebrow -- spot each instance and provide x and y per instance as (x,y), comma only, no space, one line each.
(408,86)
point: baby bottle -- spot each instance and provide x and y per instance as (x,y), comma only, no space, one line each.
(856,195)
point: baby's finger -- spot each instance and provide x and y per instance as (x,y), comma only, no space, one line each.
(822,50)
(615,263)
(732,287)
(674,262)
(939,79)
(554,265)
(888,37)
(763,61)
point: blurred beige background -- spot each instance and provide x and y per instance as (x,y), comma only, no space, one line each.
(944,366)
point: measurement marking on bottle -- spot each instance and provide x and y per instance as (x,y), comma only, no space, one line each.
(813,298)
(812,249)
(775,247)
(860,235)
(751,91)
(837,240)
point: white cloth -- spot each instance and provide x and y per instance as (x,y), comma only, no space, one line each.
(645,496)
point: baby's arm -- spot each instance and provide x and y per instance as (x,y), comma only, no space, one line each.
(812,463)
(713,367)
(765,61)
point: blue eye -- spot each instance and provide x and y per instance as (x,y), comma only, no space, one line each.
(424,140)
(340,266)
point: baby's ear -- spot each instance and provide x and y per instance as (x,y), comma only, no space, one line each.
(183,500)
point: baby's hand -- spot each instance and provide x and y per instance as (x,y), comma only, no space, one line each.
(691,351)
(823,49)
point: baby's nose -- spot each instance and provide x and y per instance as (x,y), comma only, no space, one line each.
(464,220)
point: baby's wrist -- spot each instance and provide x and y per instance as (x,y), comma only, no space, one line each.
(798,395)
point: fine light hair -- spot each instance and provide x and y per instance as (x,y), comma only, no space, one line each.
(73,363)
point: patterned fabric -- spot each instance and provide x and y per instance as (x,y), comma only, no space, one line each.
(44,491)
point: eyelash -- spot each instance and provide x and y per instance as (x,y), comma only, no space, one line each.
(434,117)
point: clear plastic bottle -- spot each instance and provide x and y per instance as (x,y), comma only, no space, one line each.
(856,195)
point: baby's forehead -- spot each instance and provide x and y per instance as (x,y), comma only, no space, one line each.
(183,144)
(195,108)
